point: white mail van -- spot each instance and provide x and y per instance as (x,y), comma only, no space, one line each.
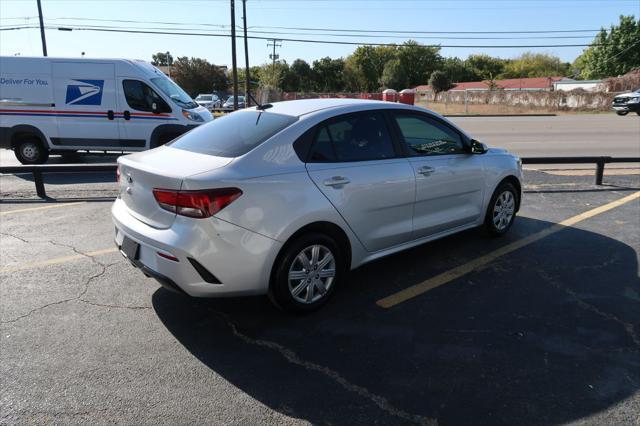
(56,105)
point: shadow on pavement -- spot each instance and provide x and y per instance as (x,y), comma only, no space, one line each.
(547,334)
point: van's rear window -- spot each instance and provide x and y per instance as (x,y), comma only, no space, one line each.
(233,135)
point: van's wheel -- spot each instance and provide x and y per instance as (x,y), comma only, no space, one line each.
(307,273)
(502,209)
(30,150)
(638,112)
(622,112)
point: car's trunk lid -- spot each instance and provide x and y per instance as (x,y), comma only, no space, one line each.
(161,168)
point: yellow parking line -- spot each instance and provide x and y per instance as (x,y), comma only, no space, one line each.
(51,206)
(57,260)
(455,273)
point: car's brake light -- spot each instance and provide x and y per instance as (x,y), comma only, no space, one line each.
(117,174)
(198,204)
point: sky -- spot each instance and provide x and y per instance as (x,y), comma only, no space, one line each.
(357,17)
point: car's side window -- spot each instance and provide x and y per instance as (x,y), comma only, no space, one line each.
(141,97)
(356,137)
(425,136)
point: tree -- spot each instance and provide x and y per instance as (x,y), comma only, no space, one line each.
(457,70)
(612,53)
(328,74)
(161,59)
(197,75)
(367,64)
(439,82)
(485,67)
(535,65)
(304,73)
(419,61)
(394,75)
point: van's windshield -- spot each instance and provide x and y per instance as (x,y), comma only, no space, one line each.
(174,91)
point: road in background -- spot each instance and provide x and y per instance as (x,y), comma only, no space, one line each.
(563,135)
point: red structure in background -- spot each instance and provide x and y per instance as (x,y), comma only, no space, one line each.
(407,96)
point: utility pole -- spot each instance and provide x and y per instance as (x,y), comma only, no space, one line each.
(274,56)
(247,79)
(44,41)
(169,63)
(234,65)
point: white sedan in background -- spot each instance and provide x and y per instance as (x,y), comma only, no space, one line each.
(285,199)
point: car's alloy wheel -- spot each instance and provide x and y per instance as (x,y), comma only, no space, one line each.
(502,209)
(306,273)
(311,274)
(622,112)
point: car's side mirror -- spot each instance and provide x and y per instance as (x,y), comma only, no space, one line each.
(154,108)
(478,147)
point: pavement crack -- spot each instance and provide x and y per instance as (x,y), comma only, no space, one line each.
(105,305)
(293,358)
(15,236)
(102,271)
(628,327)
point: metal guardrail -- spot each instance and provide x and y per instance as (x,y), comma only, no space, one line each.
(599,162)
(38,170)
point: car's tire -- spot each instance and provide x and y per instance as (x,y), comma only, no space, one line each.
(501,211)
(638,112)
(304,286)
(30,150)
(622,112)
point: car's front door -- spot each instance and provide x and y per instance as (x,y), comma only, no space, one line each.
(449,179)
(355,164)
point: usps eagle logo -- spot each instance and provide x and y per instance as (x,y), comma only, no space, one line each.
(84,92)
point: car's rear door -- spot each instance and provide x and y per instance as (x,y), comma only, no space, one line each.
(449,179)
(356,165)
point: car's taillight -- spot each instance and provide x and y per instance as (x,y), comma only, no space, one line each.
(117,174)
(198,204)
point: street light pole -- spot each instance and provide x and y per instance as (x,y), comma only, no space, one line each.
(247,79)
(234,64)
(44,41)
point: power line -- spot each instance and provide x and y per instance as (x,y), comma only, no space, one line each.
(314,41)
(352,30)
(345,34)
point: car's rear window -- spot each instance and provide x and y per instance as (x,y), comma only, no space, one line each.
(233,135)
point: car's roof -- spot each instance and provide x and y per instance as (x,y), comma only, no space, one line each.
(306,106)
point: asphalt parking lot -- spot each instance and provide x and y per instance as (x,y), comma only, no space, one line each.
(541,326)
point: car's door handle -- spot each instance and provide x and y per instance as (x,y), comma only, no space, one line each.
(426,170)
(336,181)
(110,114)
(127,115)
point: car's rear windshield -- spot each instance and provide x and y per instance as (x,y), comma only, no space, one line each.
(233,135)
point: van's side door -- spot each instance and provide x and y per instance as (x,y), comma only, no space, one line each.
(85,100)
(142,112)
(449,179)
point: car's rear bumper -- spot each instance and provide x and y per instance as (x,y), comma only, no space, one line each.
(238,261)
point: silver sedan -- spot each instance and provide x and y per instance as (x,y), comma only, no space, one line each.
(285,199)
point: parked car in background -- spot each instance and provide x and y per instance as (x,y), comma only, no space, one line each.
(627,102)
(60,106)
(209,101)
(285,201)
(229,102)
